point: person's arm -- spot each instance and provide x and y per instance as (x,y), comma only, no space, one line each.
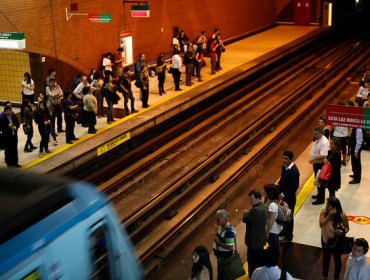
(359,140)
(49,93)
(229,239)
(345,224)
(77,91)
(270,222)
(250,216)
(325,218)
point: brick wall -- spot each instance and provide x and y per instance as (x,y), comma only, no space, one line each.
(78,44)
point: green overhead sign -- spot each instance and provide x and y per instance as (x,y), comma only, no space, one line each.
(12,40)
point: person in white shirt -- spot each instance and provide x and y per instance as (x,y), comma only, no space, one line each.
(107,62)
(357,267)
(271,270)
(363,92)
(176,69)
(28,87)
(318,153)
(342,133)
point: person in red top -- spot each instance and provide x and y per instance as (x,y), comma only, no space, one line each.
(213,46)
(118,62)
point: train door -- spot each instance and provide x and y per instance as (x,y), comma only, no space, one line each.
(100,247)
(302,12)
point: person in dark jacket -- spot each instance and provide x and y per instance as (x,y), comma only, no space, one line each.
(255,238)
(335,161)
(355,144)
(9,125)
(70,110)
(28,111)
(42,118)
(288,186)
(189,63)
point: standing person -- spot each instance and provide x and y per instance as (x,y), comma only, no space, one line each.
(110,89)
(176,69)
(144,86)
(70,111)
(90,108)
(118,62)
(29,110)
(183,40)
(199,59)
(189,62)
(334,159)
(51,74)
(219,50)
(341,133)
(334,225)
(55,95)
(76,81)
(90,77)
(212,53)
(322,124)
(357,267)
(78,99)
(9,125)
(216,31)
(318,153)
(42,118)
(161,70)
(202,268)
(224,243)
(288,186)
(273,229)
(139,65)
(125,86)
(107,63)
(202,42)
(42,98)
(97,83)
(355,145)
(255,238)
(28,87)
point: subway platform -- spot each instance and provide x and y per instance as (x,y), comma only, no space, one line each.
(239,56)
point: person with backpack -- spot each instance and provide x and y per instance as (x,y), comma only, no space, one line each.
(273,228)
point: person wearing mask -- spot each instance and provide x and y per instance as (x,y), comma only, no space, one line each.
(333,157)
(29,110)
(125,88)
(224,243)
(255,238)
(176,69)
(90,108)
(202,268)
(42,119)
(355,144)
(55,95)
(70,112)
(9,125)
(357,266)
(161,70)
(288,186)
(334,226)
(144,86)
(318,153)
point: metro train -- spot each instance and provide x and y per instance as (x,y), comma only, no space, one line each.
(56,228)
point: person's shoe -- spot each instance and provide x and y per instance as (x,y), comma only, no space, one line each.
(315,196)
(26,150)
(75,138)
(33,147)
(109,122)
(40,154)
(188,85)
(128,113)
(91,132)
(318,202)
(48,151)
(55,142)
(134,111)
(17,165)
(351,176)
(160,93)
(354,182)
(69,142)
(145,106)
(61,130)
(200,80)
(178,89)
(164,92)
(85,125)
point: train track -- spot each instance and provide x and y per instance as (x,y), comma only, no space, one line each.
(170,206)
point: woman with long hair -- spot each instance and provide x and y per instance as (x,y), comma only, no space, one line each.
(202,268)
(28,87)
(322,124)
(42,118)
(29,110)
(335,161)
(109,89)
(161,70)
(334,226)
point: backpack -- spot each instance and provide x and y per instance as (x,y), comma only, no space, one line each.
(284,212)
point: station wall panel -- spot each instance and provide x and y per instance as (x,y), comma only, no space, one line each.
(79,45)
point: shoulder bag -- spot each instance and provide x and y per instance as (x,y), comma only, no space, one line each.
(232,267)
(26,128)
(325,172)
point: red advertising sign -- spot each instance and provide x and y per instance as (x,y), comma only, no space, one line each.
(348,116)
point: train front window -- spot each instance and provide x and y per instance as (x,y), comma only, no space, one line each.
(99,254)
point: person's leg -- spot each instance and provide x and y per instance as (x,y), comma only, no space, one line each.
(73,123)
(326,255)
(125,102)
(109,110)
(356,166)
(288,227)
(337,264)
(145,97)
(132,101)
(68,129)
(58,116)
(213,65)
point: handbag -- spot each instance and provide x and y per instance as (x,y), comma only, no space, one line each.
(325,172)
(26,128)
(231,268)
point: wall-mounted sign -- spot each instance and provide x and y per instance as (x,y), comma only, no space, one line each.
(12,40)
(100,18)
(347,116)
(125,42)
(140,11)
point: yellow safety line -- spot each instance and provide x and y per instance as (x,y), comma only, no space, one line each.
(304,193)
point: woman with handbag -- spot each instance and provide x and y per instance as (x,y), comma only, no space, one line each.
(202,268)
(334,159)
(29,110)
(334,226)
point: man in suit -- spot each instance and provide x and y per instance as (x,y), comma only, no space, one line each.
(288,186)
(355,144)
(255,237)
